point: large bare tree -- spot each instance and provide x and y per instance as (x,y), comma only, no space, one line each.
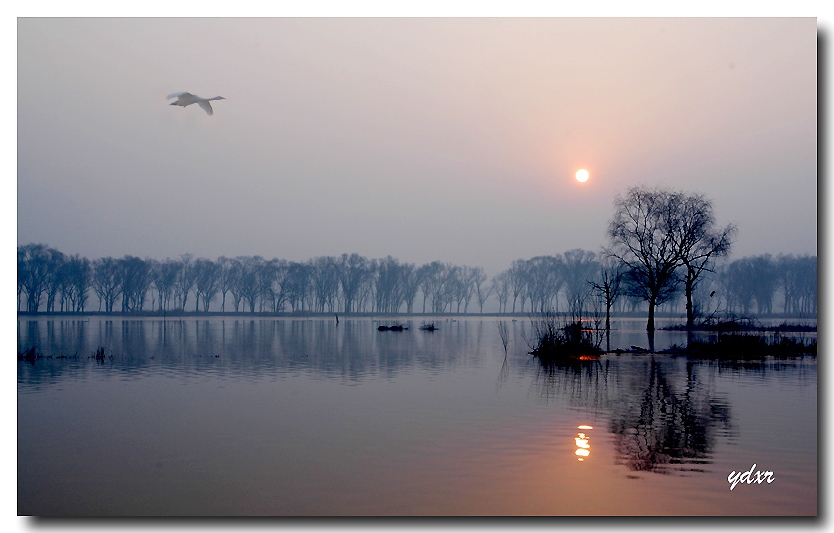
(641,241)
(657,231)
(691,224)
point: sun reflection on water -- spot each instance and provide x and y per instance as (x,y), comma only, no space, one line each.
(583,442)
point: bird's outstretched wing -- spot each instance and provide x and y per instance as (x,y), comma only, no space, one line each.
(178,95)
(206,107)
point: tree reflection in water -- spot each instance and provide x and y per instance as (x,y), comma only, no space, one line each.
(665,419)
(584,381)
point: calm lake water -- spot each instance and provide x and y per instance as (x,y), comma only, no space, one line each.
(233,416)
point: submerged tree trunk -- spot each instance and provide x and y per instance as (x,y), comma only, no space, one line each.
(650,323)
(608,327)
(690,311)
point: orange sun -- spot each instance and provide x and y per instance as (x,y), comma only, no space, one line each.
(582,175)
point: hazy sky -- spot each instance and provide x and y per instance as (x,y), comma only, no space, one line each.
(425,139)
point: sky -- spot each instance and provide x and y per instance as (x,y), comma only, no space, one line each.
(450,139)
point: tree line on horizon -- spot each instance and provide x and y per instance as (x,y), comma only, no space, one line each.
(254,284)
(664,250)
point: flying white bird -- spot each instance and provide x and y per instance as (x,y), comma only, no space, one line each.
(186,99)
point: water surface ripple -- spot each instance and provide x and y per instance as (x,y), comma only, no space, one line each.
(231,416)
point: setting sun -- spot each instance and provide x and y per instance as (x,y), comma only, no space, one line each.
(582,175)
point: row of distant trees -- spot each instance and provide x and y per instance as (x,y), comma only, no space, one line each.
(664,248)
(572,282)
(51,281)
